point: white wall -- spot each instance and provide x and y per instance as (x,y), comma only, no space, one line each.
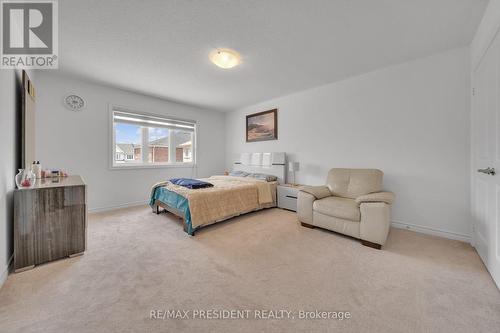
(410,120)
(486,31)
(10,85)
(79,141)
(7,166)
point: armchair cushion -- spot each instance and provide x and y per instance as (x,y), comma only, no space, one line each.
(387,197)
(342,208)
(351,183)
(319,192)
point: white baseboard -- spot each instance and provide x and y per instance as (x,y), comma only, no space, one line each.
(125,205)
(5,273)
(432,231)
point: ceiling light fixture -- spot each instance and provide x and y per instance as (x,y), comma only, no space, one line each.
(225,58)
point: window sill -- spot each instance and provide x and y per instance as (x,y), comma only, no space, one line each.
(152,166)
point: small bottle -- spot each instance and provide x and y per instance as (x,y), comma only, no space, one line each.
(39,170)
(36,168)
(33,168)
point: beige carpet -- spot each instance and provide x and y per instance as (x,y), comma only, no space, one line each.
(137,262)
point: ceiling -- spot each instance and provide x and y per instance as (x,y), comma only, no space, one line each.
(161,48)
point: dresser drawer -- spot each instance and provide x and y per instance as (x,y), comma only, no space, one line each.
(287,197)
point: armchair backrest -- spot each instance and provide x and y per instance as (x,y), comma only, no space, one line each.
(352,183)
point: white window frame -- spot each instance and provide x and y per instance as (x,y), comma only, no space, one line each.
(141,165)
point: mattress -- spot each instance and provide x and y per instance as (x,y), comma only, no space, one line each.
(230,196)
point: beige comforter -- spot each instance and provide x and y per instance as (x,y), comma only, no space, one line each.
(230,196)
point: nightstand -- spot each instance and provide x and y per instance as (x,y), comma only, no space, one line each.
(287,196)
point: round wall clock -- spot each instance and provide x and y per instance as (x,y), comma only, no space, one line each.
(74,102)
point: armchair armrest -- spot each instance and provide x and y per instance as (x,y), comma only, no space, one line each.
(387,197)
(319,192)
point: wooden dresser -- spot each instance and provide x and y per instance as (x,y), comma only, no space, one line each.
(50,221)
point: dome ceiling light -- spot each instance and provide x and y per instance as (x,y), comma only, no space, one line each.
(225,58)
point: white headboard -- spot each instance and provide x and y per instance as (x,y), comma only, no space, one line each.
(268,163)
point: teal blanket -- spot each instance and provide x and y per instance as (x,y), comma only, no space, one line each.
(176,201)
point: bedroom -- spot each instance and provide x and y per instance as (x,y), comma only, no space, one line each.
(340,143)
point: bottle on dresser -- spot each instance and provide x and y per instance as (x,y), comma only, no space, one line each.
(36,168)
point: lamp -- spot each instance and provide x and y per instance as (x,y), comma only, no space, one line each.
(225,58)
(293,167)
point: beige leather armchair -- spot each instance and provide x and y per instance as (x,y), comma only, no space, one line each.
(350,203)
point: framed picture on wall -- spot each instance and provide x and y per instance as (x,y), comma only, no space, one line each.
(262,126)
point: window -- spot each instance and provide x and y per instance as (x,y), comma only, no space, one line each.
(143,140)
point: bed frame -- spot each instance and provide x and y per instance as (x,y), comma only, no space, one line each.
(267,163)
(157,205)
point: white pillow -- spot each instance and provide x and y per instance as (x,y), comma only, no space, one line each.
(263,176)
(238,173)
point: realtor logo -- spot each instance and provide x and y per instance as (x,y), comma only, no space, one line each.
(29,34)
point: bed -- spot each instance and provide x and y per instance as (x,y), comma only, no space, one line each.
(230,196)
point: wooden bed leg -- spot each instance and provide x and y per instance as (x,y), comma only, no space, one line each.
(186,231)
(157,209)
(307,225)
(370,244)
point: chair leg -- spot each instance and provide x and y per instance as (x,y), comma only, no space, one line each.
(370,244)
(307,225)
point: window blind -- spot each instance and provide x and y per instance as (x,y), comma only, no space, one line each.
(125,117)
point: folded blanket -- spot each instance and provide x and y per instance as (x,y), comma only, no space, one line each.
(190,183)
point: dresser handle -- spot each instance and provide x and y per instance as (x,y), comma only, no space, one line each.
(289,196)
